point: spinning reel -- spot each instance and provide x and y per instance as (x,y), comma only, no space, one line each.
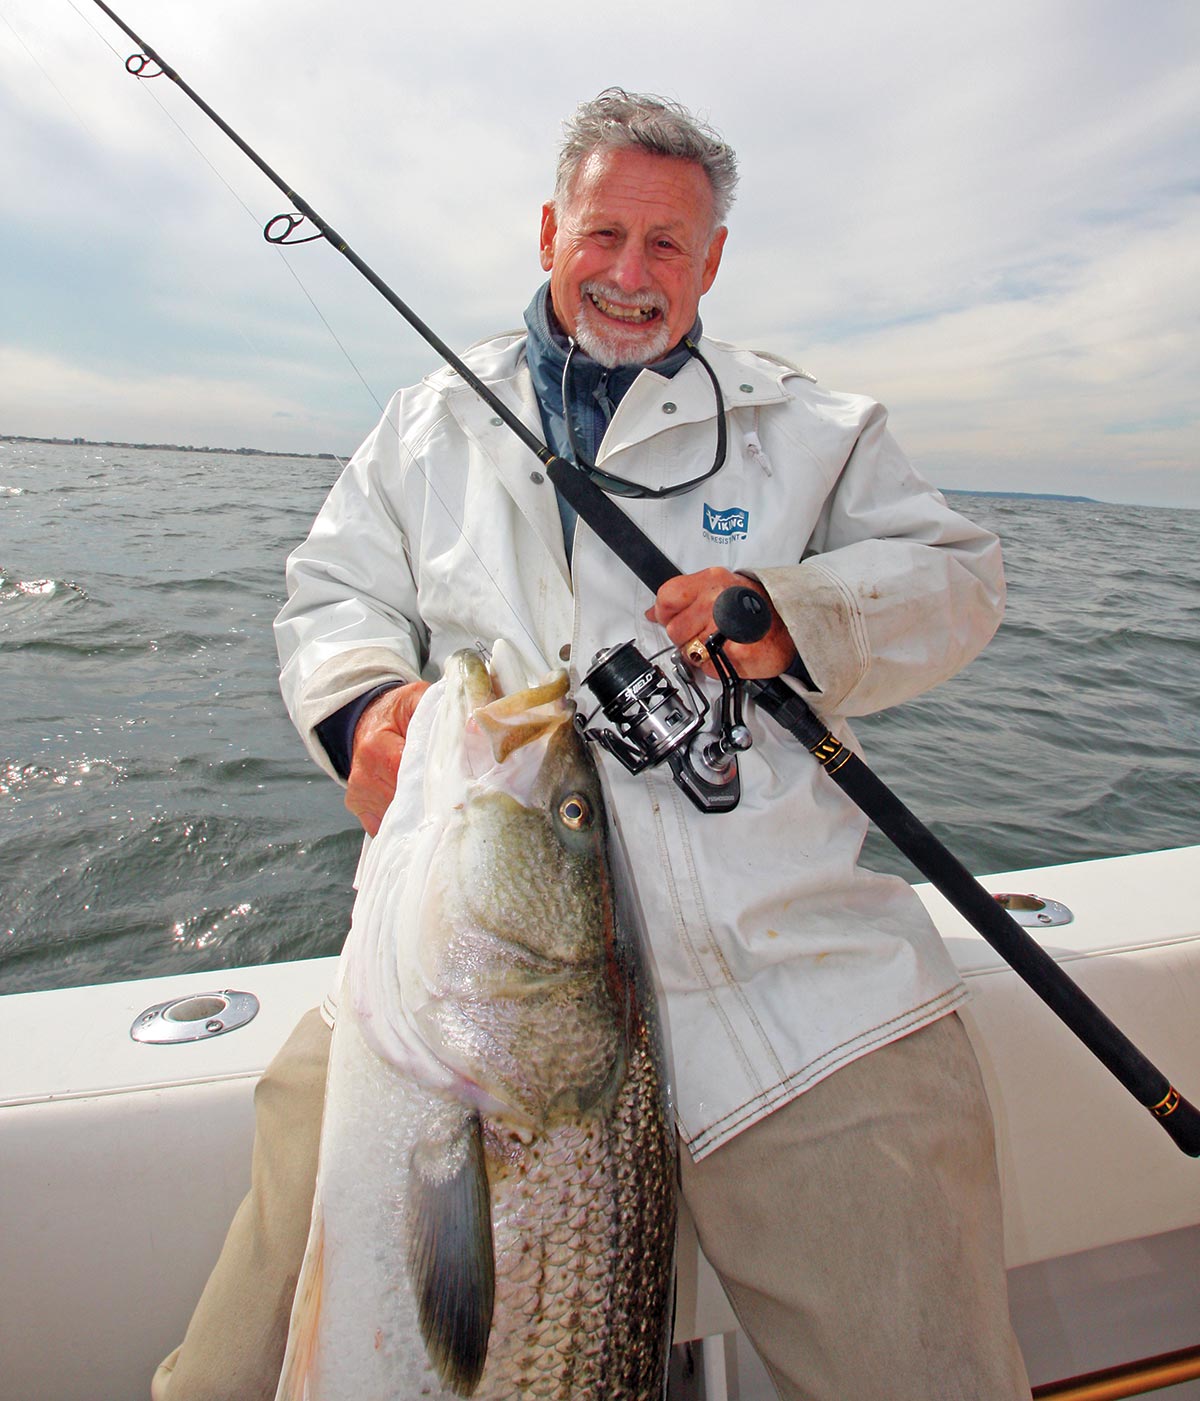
(652,720)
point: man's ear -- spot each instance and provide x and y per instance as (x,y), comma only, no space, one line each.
(712,259)
(548,232)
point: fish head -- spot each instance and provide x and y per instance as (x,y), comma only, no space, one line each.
(531,841)
(516,932)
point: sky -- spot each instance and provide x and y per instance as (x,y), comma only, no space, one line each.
(987,217)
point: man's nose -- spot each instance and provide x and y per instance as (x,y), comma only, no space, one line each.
(629,268)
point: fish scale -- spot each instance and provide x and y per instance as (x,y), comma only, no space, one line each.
(603,1258)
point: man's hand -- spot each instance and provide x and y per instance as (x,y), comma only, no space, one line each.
(376,750)
(684,607)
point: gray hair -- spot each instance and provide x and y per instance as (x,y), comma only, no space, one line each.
(618,119)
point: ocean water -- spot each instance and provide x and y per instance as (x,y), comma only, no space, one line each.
(158,813)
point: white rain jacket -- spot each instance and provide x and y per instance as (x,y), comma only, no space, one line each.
(780,958)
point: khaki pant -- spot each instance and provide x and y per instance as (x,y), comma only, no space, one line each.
(233,1348)
(857,1232)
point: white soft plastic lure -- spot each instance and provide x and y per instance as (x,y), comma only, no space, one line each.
(495,1204)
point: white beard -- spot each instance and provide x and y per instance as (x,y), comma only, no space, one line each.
(609,344)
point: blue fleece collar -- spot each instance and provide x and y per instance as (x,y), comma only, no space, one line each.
(596,390)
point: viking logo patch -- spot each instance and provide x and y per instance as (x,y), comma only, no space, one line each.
(725,526)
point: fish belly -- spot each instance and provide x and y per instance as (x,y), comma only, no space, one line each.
(354,1333)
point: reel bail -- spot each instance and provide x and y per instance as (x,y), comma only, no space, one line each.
(652,720)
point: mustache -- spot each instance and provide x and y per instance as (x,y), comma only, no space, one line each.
(647,297)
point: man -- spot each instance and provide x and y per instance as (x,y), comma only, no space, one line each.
(837,1153)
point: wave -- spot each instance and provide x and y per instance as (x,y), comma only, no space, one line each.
(103,647)
(19,781)
(161,815)
(14,592)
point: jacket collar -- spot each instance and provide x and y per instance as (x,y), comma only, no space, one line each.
(650,407)
(747,379)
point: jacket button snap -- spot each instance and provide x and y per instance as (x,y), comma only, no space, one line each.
(746,388)
(496,422)
(668,407)
(536,478)
(564,652)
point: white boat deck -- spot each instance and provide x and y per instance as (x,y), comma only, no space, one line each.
(123,1162)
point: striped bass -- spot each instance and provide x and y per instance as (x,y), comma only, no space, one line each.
(495,1204)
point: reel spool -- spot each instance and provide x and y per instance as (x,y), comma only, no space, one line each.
(652,720)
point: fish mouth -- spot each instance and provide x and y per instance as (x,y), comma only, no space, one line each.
(492,737)
(469,685)
(524,717)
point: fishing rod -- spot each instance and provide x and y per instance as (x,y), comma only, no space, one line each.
(631,695)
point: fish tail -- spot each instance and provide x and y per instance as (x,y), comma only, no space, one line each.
(306,1318)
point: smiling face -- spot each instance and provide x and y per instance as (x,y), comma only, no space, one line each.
(631,253)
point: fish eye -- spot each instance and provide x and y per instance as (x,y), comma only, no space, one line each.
(575,812)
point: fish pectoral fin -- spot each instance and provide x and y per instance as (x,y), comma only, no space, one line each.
(450,1259)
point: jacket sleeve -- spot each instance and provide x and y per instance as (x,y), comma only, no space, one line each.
(351,623)
(895,591)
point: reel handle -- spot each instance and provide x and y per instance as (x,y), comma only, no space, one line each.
(742,615)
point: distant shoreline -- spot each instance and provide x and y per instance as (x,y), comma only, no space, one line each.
(333,457)
(1022,495)
(163,447)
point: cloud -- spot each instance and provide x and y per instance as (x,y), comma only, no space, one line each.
(39,392)
(1093,372)
(983,216)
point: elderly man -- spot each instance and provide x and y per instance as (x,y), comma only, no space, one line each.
(837,1150)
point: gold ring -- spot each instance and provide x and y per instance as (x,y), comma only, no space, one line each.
(696,652)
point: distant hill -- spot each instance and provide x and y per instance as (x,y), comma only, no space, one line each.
(1022,495)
